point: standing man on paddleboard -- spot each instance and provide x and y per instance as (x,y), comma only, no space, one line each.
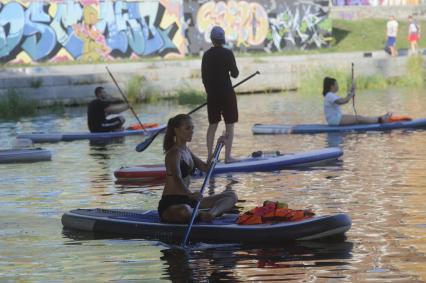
(98,110)
(217,64)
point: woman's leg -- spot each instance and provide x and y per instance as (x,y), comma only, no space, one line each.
(218,204)
(358,119)
(413,46)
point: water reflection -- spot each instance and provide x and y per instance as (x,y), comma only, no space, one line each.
(103,143)
(334,139)
(204,263)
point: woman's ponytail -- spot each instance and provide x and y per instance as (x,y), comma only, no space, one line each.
(172,124)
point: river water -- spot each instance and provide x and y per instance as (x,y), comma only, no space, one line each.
(380,182)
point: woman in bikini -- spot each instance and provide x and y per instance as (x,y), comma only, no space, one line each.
(332,104)
(178,200)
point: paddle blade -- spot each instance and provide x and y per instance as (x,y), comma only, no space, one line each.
(144,144)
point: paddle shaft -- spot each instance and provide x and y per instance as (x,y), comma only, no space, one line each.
(125,98)
(144,144)
(353,97)
(243,81)
(209,173)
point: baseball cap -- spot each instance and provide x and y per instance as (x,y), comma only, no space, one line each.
(217,34)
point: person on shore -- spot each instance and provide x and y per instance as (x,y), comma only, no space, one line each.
(413,34)
(217,64)
(98,110)
(391,33)
(177,200)
(332,104)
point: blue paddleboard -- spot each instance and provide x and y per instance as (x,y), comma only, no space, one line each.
(270,129)
(147,224)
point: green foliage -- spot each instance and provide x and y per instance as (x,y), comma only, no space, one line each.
(415,74)
(311,83)
(371,82)
(134,87)
(188,95)
(14,105)
(138,89)
(326,24)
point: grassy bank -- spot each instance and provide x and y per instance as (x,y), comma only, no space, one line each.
(14,105)
(139,89)
(414,77)
(367,35)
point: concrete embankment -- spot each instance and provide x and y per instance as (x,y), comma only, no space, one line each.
(74,84)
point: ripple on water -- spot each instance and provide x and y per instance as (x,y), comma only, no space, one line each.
(379,182)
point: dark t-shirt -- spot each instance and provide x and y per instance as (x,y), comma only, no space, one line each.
(216,65)
(96,114)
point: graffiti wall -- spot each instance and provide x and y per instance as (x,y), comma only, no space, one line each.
(259,25)
(56,31)
(376,2)
(101,30)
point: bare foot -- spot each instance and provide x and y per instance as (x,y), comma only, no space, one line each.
(385,118)
(205,216)
(231,160)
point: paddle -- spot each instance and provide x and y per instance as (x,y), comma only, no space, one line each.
(125,98)
(209,172)
(144,144)
(353,97)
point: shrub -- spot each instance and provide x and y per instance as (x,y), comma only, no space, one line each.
(14,105)
(138,89)
(188,95)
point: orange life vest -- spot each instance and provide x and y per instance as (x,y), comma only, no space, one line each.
(145,126)
(272,212)
(399,118)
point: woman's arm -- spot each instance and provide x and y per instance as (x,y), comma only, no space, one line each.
(348,97)
(172,161)
(345,100)
(204,166)
(201,165)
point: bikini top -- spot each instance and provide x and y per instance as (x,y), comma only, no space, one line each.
(185,169)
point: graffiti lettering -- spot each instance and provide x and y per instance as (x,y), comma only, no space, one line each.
(12,23)
(40,38)
(86,30)
(244,23)
(300,26)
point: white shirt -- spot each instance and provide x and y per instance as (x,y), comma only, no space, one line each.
(392,28)
(412,28)
(331,108)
